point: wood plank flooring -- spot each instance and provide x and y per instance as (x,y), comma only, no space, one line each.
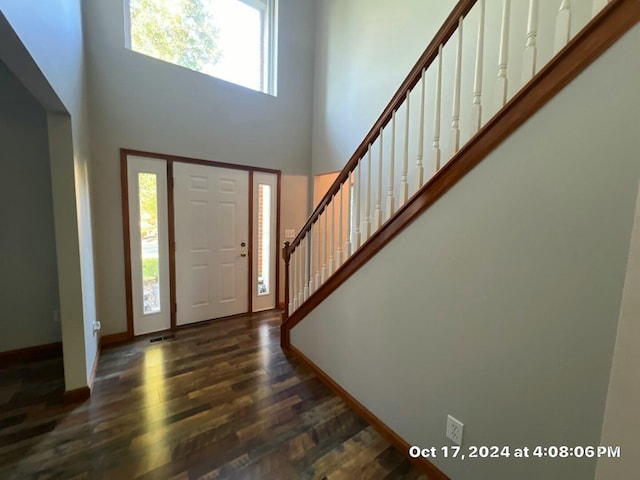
(219,401)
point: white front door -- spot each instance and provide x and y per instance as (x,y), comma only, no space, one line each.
(212,242)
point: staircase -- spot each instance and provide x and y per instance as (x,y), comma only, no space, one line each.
(430,137)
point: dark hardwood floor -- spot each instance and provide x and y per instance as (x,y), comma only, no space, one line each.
(219,401)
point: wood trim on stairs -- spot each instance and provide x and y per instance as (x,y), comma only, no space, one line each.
(604,30)
(428,468)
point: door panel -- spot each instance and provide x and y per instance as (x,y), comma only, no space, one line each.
(211,224)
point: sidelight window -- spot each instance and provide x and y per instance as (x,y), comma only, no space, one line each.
(148,198)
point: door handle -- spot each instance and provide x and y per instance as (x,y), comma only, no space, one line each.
(243,254)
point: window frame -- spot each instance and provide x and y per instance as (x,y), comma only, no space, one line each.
(269,12)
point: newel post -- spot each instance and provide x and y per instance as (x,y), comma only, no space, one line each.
(284,331)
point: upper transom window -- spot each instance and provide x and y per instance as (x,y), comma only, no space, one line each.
(230,39)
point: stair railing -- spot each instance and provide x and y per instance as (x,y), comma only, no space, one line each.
(392,162)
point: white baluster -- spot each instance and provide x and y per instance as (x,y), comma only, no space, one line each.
(367,201)
(598,5)
(294,259)
(404,184)
(379,197)
(295,286)
(340,220)
(476,107)
(390,199)
(333,240)
(299,275)
(501,83)
(347,238)
(294,262)
(318,251)
(563,26)
(455,114)
(325,245)
(307,259)
(291,282)
(357,180)
(312,257)
(303,258)
(301,270)
(437,113)
(419,167)
(531,48)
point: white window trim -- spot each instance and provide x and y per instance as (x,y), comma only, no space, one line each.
(269,9)
(127,25)
(271,54)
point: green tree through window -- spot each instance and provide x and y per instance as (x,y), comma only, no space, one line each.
(148,191)
(182,32)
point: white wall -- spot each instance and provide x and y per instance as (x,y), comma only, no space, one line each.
(621,425)
(500,304)
(28,276)
(51,32)
(365,49)
(142,103)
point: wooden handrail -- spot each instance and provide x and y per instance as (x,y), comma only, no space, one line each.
(447,30)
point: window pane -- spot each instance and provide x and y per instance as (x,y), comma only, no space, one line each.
(222,38)
(264,238)
(241,43)
(183,32)
(148,193)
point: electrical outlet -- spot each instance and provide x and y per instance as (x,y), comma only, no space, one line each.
(454,430)
(289,234)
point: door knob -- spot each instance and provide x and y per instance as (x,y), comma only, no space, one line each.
(243,254)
